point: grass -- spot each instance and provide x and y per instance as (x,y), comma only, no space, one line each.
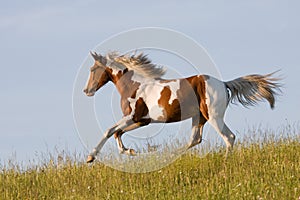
(269,170)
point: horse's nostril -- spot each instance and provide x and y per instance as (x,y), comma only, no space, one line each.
(85,90)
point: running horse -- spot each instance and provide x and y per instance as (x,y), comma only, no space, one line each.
(148,98)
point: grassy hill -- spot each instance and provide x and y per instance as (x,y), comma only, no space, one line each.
(257,171)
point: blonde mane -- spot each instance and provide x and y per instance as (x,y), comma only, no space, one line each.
(140,64)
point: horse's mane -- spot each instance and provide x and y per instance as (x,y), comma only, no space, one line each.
(140,63)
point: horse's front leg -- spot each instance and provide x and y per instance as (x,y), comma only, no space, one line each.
(119,127)
(122,148)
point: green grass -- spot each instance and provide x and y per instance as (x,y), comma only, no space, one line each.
(253,171)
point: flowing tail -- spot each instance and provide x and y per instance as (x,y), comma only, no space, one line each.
(248,90)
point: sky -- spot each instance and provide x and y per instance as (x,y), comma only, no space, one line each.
(44,43)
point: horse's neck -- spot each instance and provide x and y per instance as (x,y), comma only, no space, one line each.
(129,83)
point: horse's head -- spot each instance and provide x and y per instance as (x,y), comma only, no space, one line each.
(114,66)
(99,75)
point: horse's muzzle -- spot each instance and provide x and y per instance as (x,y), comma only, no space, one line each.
(89,93)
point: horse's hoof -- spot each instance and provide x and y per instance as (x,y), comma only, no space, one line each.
(90,159)
(131,152)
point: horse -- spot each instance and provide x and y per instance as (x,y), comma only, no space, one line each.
(148,98)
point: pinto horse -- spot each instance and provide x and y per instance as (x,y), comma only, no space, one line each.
(148,98)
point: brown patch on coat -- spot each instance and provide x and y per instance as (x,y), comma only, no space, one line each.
(140,111)
(198,84)
(172,112)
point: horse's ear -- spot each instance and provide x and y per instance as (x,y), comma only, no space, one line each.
(99,58)
(94,55)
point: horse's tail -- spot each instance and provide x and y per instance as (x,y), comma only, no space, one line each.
(248,90)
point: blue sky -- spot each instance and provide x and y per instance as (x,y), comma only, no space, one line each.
(43,44)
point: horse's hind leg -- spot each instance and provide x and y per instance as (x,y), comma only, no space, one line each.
(227,135)
(197,130)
